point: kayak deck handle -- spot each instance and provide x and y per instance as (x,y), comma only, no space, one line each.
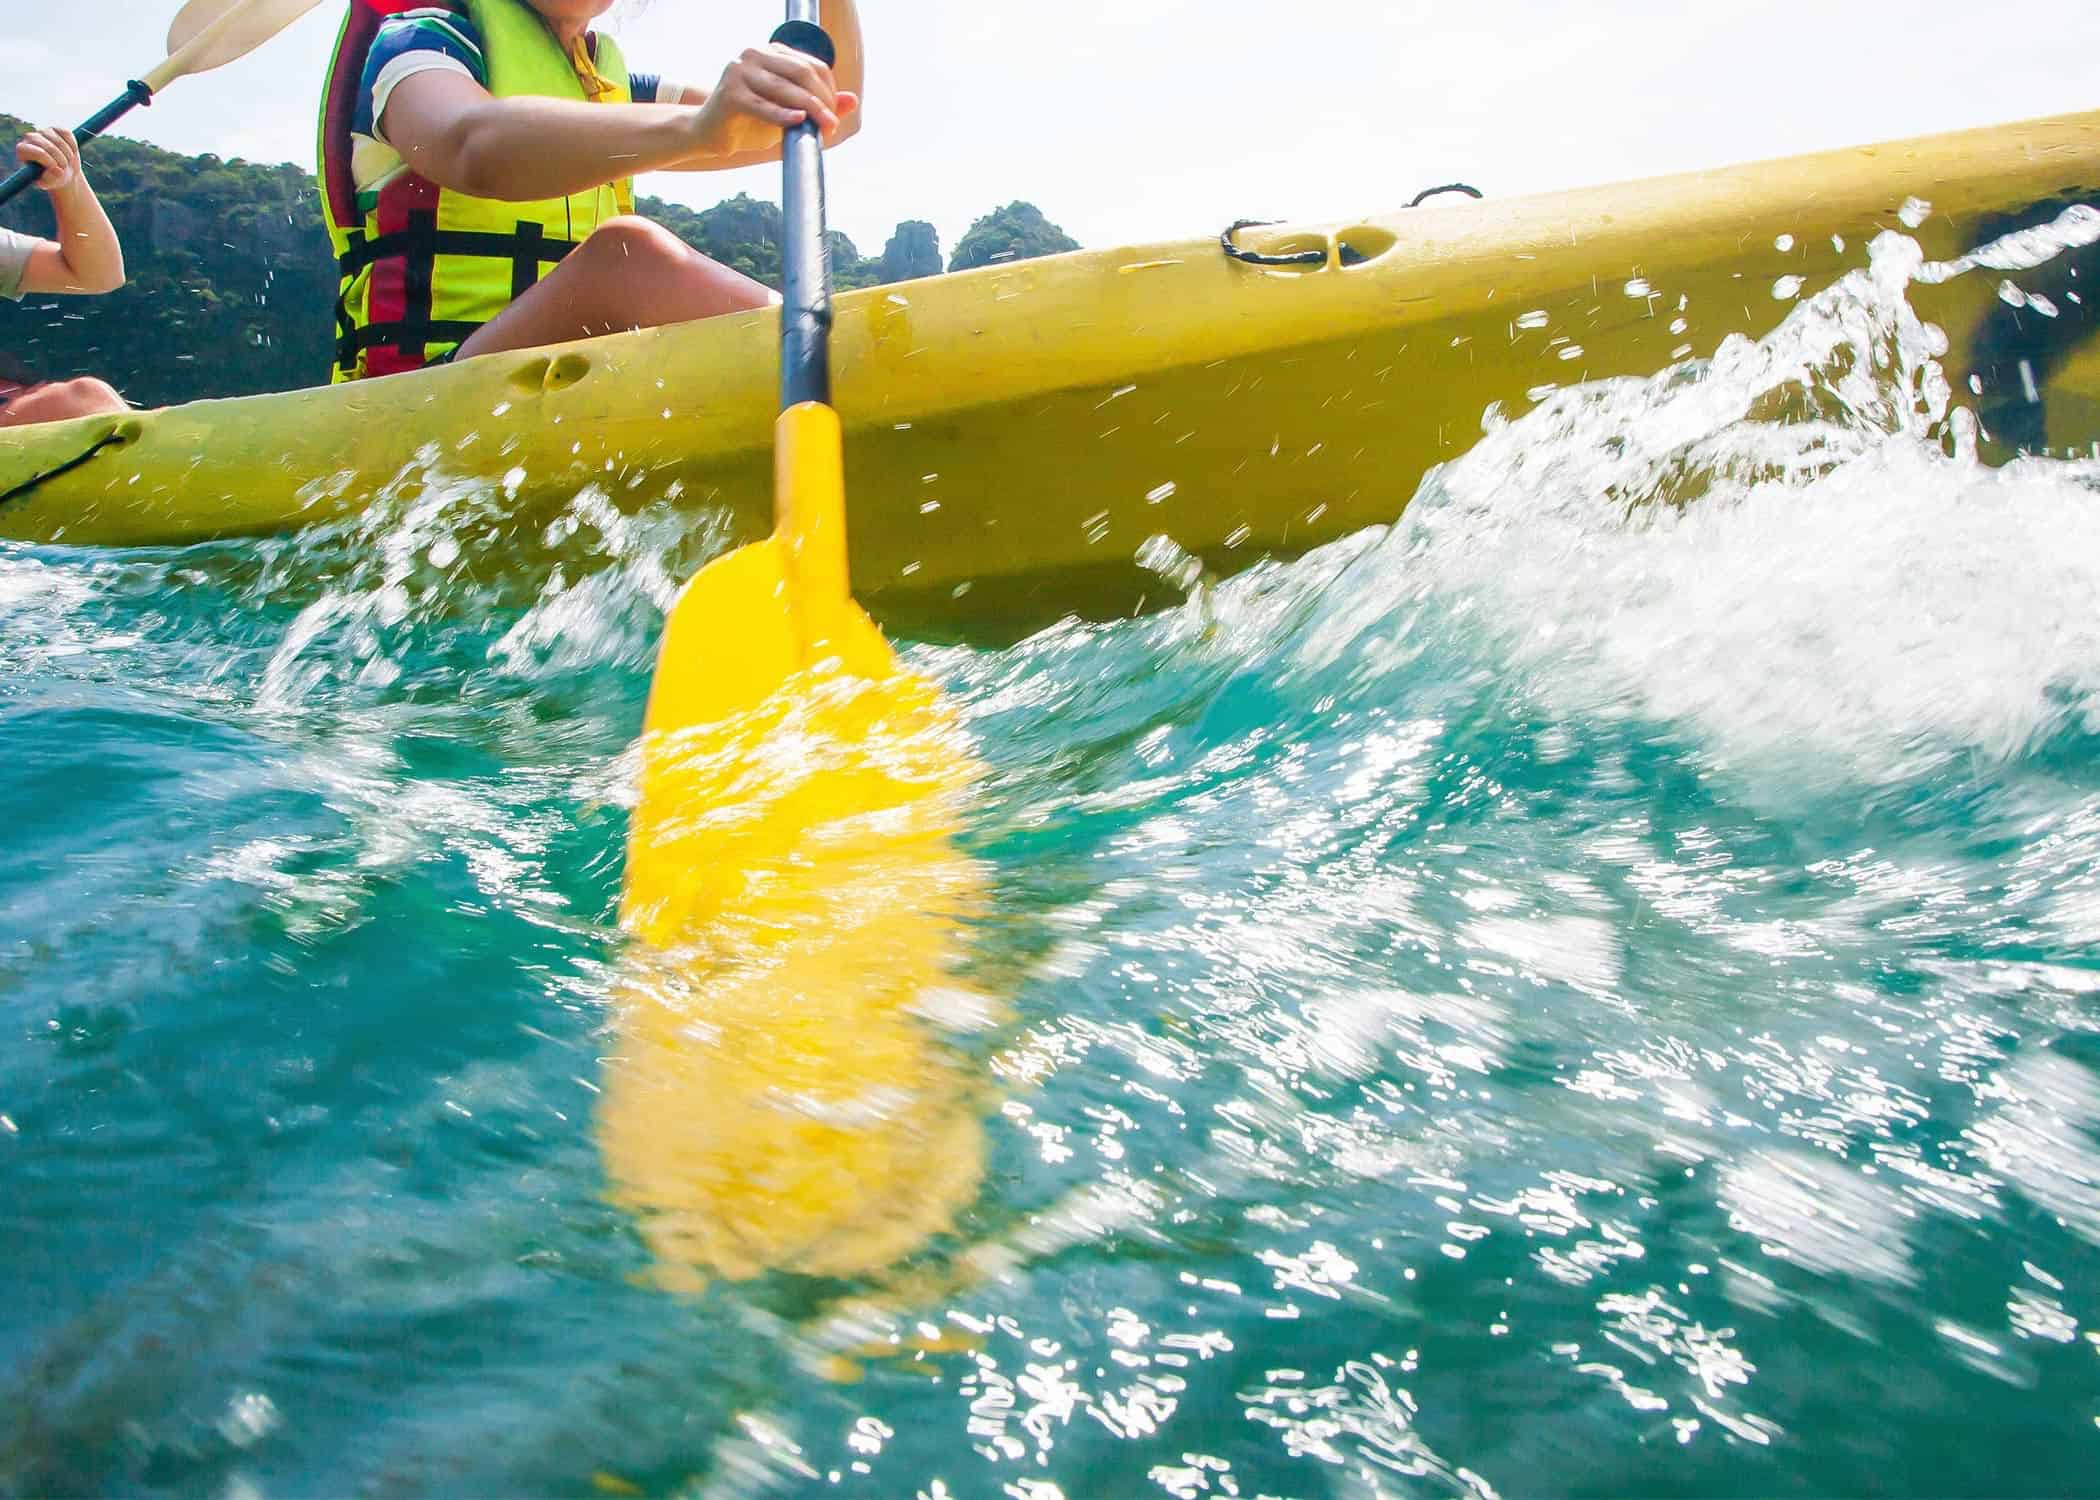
(1305,259)
(1307,252)
(1340,251)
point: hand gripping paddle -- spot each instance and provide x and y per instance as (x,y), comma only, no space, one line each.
(207,34)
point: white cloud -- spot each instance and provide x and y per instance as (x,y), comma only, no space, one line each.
(23,53)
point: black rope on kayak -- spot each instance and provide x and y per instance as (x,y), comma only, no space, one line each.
(115,439)
(1350,256)
(1256,258)
(1450,187)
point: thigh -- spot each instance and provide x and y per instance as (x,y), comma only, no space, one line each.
(630,274)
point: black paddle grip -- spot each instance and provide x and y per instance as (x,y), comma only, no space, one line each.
(134,95)
(810,38)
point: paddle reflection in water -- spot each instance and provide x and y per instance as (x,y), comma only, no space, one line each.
(780,1099)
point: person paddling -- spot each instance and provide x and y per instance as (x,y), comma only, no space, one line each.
(477,162)
(85,258)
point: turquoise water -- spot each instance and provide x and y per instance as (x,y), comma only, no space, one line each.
(1576,994)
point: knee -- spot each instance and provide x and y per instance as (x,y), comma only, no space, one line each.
(61,401)
(630,238)
(88,395)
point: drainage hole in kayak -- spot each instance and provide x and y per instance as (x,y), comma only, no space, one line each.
(535,376)
(1364,244)
(566,371)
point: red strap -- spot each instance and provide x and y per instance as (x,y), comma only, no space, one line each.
(345,77)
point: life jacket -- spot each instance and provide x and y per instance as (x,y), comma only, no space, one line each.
(428,266)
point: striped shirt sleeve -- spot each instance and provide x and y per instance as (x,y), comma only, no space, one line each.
(428,39)
(416,41)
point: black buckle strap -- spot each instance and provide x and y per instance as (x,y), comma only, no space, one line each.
(406,333)
(364,252)
(525,259)
(345,325)
(527,248)
(419,262)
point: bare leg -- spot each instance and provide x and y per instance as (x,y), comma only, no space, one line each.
(60,400)
(631,273)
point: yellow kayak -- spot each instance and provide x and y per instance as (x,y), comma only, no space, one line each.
(1016,434)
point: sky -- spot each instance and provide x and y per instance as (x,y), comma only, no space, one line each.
(1129,121)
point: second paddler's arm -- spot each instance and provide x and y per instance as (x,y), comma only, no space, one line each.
(848,75)
(452,131)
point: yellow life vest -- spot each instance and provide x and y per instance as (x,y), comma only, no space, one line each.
(426,266)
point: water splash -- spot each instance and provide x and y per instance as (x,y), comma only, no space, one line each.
(1585,971)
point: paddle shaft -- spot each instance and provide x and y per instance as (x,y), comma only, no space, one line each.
(805,324)
(135,93)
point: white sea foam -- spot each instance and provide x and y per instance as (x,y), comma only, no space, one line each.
(1816,1213)
(1846,593)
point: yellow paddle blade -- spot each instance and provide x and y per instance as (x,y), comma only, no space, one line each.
(209,34)
(777,1099)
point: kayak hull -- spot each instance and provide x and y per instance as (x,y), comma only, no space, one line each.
(1017,433)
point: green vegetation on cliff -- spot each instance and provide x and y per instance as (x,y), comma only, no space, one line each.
(232,288)
(744,234)
(1016,232)
(913,252)
(231,283)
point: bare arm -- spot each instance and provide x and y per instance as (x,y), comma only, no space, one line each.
(452,131)
(86,256)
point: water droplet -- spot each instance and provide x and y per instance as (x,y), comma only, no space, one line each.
(248,1419)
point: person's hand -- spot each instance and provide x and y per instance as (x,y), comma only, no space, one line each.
(56,152)
(764,92)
